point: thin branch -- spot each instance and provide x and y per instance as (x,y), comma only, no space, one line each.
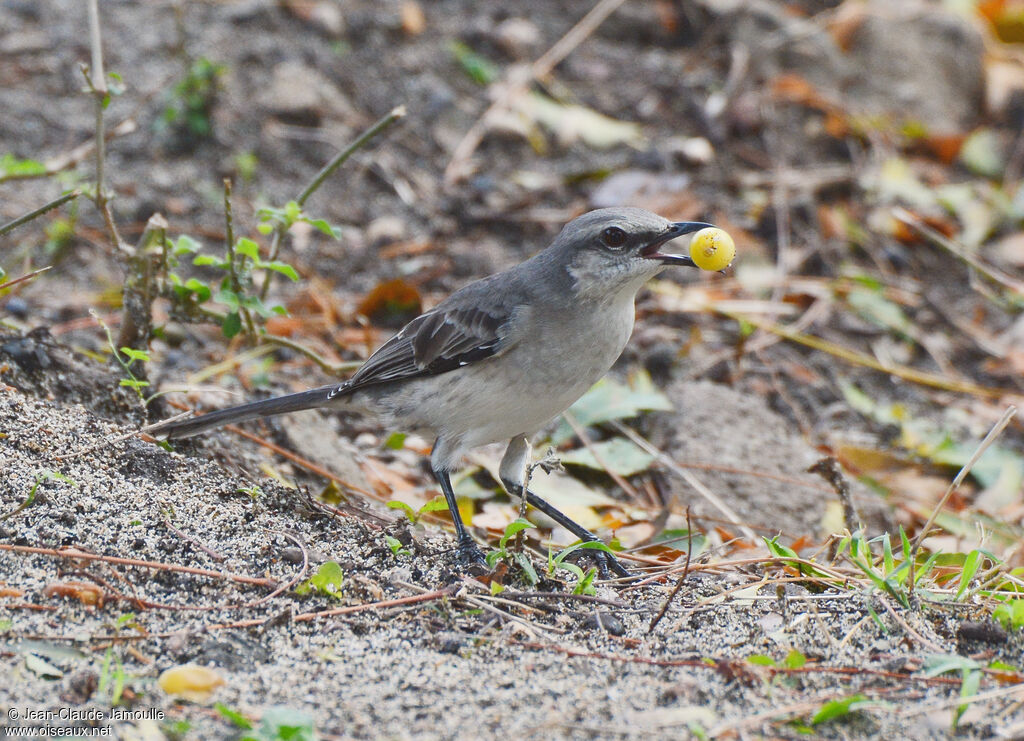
(72,554)
(996,430)
(682,577)
(958,251)
(23,278)
(333,369)
(858,358)
(688,477)
(96,81)
(60,201)
(339,159)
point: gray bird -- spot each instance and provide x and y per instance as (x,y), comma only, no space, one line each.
(501,357)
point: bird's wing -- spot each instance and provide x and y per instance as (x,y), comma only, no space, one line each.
(437,342)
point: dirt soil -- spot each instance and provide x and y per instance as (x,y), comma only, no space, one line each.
(120,559)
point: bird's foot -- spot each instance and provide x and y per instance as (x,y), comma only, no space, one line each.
(471,557)
(606,563)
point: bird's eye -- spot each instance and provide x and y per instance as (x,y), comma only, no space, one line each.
(613,237)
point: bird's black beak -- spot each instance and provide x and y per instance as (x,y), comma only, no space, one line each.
(677,229)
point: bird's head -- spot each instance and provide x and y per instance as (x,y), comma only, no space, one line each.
(615,250)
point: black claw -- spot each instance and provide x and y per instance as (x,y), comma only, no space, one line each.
(472,558)
(606,563)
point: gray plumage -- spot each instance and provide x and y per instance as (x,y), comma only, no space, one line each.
(499,358)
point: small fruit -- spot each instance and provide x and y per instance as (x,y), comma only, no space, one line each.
(712,249)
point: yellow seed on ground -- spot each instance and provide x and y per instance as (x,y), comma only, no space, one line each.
(191,681)
(712,249)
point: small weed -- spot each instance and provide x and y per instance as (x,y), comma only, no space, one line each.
(1010,614)
(327,581)
(396,546)
(283,724)
(970,674)
(112,677)
(190,109)
(584,581)
(236,718)
(517,557)
(40,478)
(437,504)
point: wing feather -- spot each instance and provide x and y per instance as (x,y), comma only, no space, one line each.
(437,342)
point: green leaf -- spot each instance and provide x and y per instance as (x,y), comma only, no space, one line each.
(619,456)
(877,309)
(936,664)
(231,325)
(971,565)
(761,660)
(526,565)
(286,724)
(437,504)
(234,716)
(201,290)
(11,165)
(324,226)
(516,526)
(209,260)
(132,354)
(968,688)
(586,584)
(247,248)
(185,245)
(254,303)
(395,441)
(480,69)
(327,581)
(794,660)
(228,297)
(837,708)
(1010,614)
(280,267)
(409,511)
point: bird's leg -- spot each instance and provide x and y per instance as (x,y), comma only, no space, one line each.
(512,472)
(468,551)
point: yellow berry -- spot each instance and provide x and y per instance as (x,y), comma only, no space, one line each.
(712,249)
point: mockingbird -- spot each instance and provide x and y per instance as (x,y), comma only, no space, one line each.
(501,357)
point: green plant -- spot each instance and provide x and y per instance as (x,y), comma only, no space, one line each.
(190,107)
(884,572)
(1010,614)
(517,557)
(584,581)
(40,478)
(283,724)
(112,676)
(239,720)
(327,580)
(396,546)
(437,504)
(970,674)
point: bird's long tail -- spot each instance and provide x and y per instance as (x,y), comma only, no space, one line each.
(173,429)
